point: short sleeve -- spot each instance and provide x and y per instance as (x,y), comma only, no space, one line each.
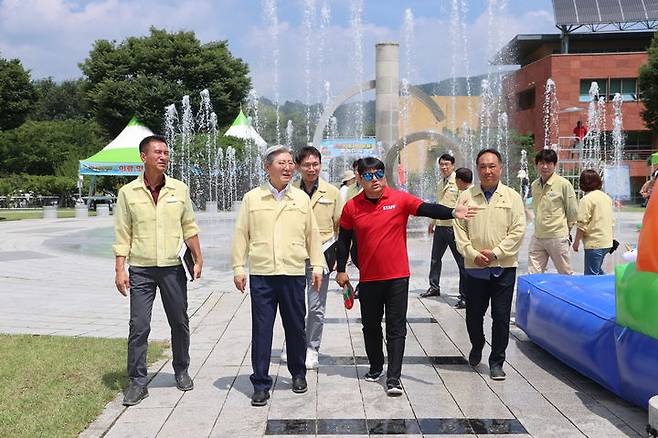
(347,216)
(411,203)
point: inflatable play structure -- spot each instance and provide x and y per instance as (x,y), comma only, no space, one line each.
(605,327)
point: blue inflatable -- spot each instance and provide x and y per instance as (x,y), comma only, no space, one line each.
(573,318)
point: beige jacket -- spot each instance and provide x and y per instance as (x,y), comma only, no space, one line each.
(595,220)
(498,226)
(149,234)
(556,207)
(327,206)
(447,194)
(278,236)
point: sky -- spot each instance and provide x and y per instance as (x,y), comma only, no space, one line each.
(51,37)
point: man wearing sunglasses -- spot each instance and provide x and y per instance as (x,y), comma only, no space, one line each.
(378,217)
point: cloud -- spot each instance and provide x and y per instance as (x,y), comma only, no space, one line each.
(52,36)
(431,55)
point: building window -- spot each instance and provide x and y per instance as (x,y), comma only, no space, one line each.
(525,99)
(638,140)
(586,84)
(627,87)
(637,145)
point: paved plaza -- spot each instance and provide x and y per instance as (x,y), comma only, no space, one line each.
(56,277)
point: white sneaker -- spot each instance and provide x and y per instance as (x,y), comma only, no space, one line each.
(284,356)
(311,359)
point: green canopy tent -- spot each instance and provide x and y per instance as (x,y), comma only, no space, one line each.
(119,158)
(654,159)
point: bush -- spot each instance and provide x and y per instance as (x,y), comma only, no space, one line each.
(46,185)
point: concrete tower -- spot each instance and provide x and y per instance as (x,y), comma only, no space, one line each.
(387,110)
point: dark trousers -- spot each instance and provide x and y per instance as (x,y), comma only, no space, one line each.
(288,294)
(377,297)
(499,290)
(444,237)
(172,283)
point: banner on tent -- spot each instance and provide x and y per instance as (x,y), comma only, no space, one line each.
(111,169)
(361,147)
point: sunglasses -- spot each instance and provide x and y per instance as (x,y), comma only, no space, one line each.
(369,176)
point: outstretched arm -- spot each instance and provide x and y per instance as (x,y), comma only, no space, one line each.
(437,211)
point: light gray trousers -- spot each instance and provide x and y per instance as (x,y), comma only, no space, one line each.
(317,304)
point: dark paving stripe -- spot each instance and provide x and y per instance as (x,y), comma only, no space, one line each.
(342,427)
(493,426)
(372,426)
(393,427)
(412,320)
(445,426)
(412,360)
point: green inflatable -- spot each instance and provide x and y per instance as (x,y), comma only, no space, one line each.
(637,299)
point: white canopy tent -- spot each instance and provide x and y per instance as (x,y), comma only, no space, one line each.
(241,128)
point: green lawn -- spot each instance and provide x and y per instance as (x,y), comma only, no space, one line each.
(53,386)
(16,215)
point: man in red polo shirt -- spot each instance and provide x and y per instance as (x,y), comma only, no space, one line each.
(377,218)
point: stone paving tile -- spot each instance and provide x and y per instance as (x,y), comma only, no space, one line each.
(548,398)
(139,423)
(196,421)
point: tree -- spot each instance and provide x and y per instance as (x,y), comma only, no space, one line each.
(16,94)
(62,101)
(49,148)
(142,75)
(649,86)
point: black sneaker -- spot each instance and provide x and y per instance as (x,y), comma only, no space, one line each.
(259,398)
(393,387)
(299,385)
(373,376)
(497,373)
(475,357)
(134,394)
(461,304)
(431,292)
(184,381)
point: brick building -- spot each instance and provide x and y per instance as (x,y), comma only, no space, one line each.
(612,59)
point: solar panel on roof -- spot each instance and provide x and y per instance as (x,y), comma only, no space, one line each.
(565,11)
(634,10)
(575,12)
(609,10)
(651,7)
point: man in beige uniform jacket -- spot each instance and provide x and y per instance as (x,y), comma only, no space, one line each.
(152,219)
(276,228)
(556,211)
(490,243)
(444,236)
(327,206)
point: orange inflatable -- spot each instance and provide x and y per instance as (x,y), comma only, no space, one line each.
(647,245)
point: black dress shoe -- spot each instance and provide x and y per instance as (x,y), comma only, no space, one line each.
(184,382)
(259,398)
(475,357)
(461,304)
(299,385)
(134,394)
(431,292)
